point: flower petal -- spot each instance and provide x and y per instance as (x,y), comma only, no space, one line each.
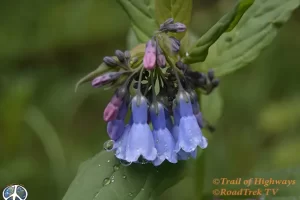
(140,143)
(165,144)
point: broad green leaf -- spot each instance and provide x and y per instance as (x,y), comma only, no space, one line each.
(141,14)
(103,178)
(211,106)
(199,50)
(179,10)
(255,31)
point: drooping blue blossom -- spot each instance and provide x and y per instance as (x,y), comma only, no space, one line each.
(189,133)
(157,77)
(140,140)
(181,154)
(164,141)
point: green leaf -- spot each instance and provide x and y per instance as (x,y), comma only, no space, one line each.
(199,50)
(243,7)
(103,178)
(179,10)
(212,106)
(141,14)
(255,31)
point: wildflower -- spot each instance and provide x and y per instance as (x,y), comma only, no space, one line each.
(140,138)
(189,134)
(174,108)
(120,144)
(164,141)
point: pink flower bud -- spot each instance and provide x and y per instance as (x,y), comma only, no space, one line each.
(150,55)
(110,112)
(116,101)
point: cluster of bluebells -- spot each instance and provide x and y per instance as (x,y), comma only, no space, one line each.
(159,98)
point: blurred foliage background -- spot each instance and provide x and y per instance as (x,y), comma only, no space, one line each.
(47,130)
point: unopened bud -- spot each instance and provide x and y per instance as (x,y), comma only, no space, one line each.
(110,112)
(150,55)
(176,28)
(161,59)
(175,44)
(127,55)
(110,61)
(105,78)
(120,55)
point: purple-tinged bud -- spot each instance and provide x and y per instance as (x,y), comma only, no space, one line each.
(127,55)
(106,78)
(176,28)
(110,61)
(161,59)
(110,112)
(120,55)
(149,60)
(112,109)
(175,44)
(180,27)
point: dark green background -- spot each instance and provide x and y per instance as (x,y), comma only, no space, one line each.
(47,130)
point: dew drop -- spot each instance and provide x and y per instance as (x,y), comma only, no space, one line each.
(106,181)
(116,168)
(99,165)
(108,145)
(108,160)
(142,160)
(142,189)
(112,177)
(124,176)
(130,194)
(125,163)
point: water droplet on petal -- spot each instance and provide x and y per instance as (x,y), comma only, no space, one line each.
(116,168)
(106,181)
(125,163)
(108,145)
